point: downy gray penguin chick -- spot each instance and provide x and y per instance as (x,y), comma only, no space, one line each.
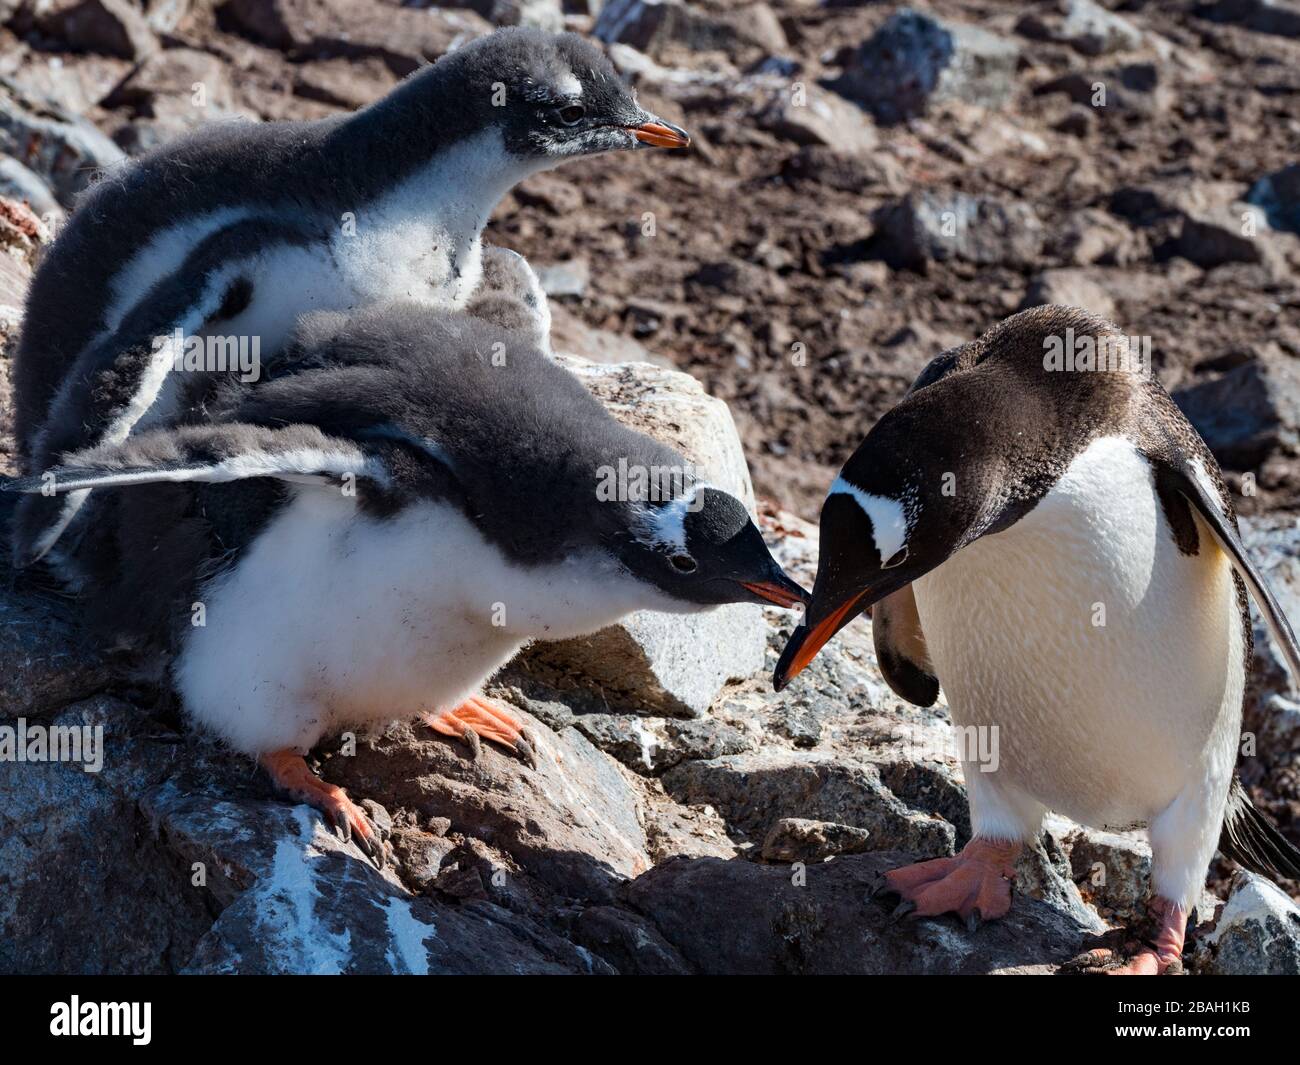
(1054,546)
(238,228)
(403,501)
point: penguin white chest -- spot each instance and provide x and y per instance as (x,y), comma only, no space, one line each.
(334,620)
(1110,663)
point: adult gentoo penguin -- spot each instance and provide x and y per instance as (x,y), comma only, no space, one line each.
(236,229)
(404,500)
(1056,549)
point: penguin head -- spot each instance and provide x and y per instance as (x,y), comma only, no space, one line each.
(701,549)
(887,520)
(555,97)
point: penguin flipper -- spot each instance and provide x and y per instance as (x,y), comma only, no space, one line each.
(900,648)
(117,380)
(1250,840)
(207,454)
(511,296)
(1215,516)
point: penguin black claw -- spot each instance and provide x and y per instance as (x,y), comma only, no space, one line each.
(879,885)
(475,744)
(527,751)
(902,910)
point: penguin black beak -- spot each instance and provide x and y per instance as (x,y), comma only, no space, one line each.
(659,134)
(811,637)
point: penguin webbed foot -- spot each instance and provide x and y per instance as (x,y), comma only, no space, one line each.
(479,719)
(1155,948)
(975,884)
(290,773)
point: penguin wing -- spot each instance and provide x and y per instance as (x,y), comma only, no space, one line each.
(211,454)
(900,648)
(117,380)
(1193,488)
(511,296)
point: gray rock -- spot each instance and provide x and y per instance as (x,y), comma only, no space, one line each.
(1086,26)
(19,183)
(62,149)
(75,82)
(46,662)
(659,663)
(1280,17)
(568,278)
(808,115)
(797,839)
(173,74)
(1135,88)
(1223,235)
(308,903)
(1091,29)
(1092,236)
(655,26)
(953,225)
(21,235)
(1113,869)
(1069,287)
(165,15)
(629,942)
(1258,933)
(573,337)
(755,790)
(916,59)
(1248,413)
(1274,545)
(1043,873)
(571,824)
(82,888)
(1209,223)
(651,745)
(665,663)
(544,14)
(1279,732)
(111,27)
(404,37)
(1278,194)
(741,917)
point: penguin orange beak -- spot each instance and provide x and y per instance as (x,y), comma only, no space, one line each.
(660,135)
(807,641)
(775,593)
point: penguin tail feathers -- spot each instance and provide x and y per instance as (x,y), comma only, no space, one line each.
(1253,842)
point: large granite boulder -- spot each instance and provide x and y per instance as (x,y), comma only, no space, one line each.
(670,664)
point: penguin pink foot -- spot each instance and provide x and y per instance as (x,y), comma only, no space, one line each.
(292,775)
(975,884)
(478,717)
(1161,955)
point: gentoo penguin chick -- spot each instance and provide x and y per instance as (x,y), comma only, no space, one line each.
(1055,547)
(368,533)
(236,229)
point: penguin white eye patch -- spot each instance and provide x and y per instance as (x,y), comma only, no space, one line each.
(887,517)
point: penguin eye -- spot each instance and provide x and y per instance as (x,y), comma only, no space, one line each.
(684,563)
(572,115)
(896,559)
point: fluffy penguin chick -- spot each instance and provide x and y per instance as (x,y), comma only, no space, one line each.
(403,502)
(238,228)
(1052,543)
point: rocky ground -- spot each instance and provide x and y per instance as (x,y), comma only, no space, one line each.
(866,187)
